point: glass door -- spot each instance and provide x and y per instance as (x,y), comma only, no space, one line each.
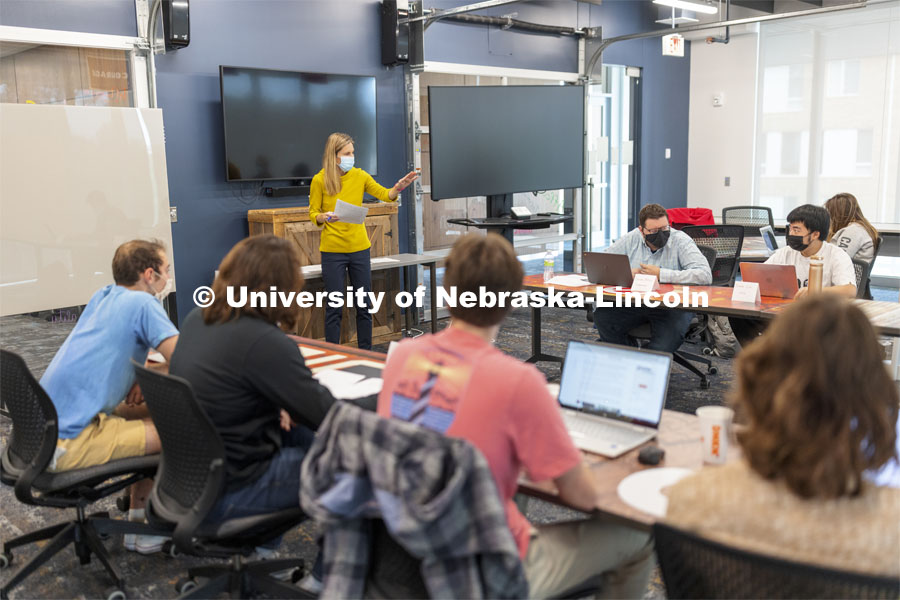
(611,157)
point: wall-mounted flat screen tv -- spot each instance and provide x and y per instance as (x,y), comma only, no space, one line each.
(492,140)
(276,122)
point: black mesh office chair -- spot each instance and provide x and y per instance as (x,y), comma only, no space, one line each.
(750,217)
(861,269)
(699,329)
(694,567)
(191,478)
(727,241)
(24,464)
(868,293)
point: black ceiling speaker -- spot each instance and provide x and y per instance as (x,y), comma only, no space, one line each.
(176,23)
(394,34)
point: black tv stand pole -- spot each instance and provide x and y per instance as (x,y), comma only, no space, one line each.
(498,206)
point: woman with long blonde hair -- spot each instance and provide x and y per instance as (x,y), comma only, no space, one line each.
(850,230)
(345,246)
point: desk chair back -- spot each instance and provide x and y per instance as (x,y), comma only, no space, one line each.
(710,254)
(191,473)
(878,244)
(694,567)
(750,217)
(861,269)
(34,422)
(727,241)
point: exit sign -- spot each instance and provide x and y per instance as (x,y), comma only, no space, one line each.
(673,45)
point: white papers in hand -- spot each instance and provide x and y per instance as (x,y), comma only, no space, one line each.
(347,386)
(569,280)
(350,213)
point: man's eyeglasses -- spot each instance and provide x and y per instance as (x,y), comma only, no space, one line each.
(657,230)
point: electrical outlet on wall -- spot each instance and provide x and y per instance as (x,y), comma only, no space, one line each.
(173,214)
(728,182)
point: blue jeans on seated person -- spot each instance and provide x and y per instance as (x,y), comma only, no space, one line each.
(277,489)
(667,326)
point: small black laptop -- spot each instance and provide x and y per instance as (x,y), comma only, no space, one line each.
(608,269)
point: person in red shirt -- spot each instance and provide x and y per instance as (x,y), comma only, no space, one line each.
(456,382)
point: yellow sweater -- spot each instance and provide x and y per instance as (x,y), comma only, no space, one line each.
(338,236)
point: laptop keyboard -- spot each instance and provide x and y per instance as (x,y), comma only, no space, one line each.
(607,432)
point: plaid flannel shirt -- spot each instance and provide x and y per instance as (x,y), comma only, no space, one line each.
(436,496)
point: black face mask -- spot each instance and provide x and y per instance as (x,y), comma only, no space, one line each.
(658,239)
(796,242)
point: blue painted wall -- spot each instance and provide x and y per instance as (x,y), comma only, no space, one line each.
(312,35)
(343,36)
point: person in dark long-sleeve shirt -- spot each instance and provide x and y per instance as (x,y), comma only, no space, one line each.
(251,380)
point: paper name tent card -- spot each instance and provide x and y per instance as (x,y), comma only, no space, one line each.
(350,213)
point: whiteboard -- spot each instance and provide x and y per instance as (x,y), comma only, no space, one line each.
(75,183)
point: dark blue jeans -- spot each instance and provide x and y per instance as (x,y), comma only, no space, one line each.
(277,489)
(334,267)
(667,326)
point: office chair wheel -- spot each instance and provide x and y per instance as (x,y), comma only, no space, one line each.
(707,351)
(297,574)
(170,549)
(5,559)
(185,585)
(712,370)
(116,594)
(123,502)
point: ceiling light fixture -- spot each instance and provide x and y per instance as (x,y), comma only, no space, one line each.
(681,20)
(686,5)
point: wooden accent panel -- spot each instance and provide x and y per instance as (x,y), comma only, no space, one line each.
(381,226)
(48,75)
(8,90)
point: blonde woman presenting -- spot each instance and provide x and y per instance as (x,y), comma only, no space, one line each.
(345,246)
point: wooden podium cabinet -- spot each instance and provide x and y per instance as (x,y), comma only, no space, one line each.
(294,225)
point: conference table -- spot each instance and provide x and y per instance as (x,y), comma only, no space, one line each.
(884,316)
(679,436)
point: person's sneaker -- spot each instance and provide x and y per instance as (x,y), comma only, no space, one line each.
(144,544)
(310,584)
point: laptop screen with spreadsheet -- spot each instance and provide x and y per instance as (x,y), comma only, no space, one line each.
(618,382)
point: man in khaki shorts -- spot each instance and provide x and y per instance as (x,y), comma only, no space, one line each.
(102,415)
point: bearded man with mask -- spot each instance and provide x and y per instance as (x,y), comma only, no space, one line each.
(102,415)
(807,230)
(670,255)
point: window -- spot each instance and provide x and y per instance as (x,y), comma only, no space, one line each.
(43,74)
(783,153)
(783,89)
(847,112)
(842,78)
(847,153)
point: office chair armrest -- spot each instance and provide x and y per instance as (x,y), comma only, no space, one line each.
(183,536)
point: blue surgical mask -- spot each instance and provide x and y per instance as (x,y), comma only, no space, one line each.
(347,163)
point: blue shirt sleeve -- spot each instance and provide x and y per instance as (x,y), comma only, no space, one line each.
(152,325)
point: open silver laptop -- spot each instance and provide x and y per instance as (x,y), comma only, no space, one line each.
(611,396)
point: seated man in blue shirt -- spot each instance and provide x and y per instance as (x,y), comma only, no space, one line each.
(91,374)
(670,255)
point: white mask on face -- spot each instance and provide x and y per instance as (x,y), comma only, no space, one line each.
(167,289)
